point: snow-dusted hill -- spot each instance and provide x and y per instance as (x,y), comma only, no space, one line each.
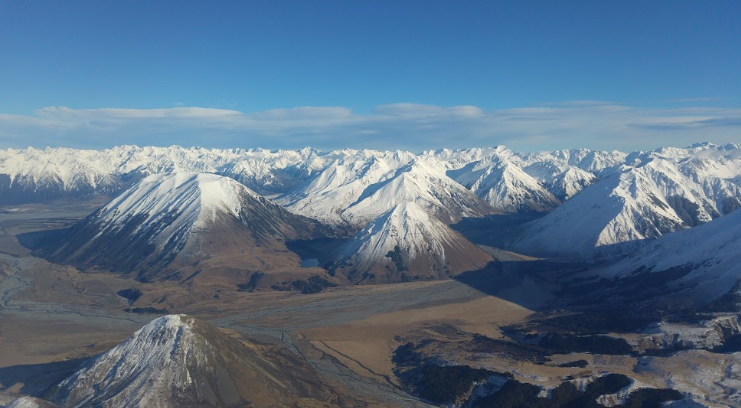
(188,216)
(406,243)
(179,361)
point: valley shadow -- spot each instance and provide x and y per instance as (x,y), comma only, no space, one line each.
(34,240)
(535,285)
(38,379)
(494,229)
(570,296)
(321,249)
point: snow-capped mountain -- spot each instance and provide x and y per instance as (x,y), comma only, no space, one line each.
(423,183)
(275,172)
(624,208)
(696,184)
(592,161)
(335,188)
(406,243)
(505,186)
(37,175)
(184,216)
(180,361)
(30,175)
(659,192)
(711,252)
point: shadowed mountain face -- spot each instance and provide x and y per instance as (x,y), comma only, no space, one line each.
(180,361)
(709,256)
(173,221)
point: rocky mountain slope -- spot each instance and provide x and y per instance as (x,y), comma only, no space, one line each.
(171,221)
(406,243)
(180,361)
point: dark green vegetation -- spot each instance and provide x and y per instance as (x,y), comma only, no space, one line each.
(440,384)
(314,284)
(397,258)
(131,294)
(252,284)
(446,384)
(432,380)
(515,394)
(577,363)
(405,355)
(520,351)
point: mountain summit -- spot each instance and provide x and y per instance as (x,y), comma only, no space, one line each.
(406,243)
(180,361)
(181,217)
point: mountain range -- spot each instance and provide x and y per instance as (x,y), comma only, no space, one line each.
(183,203)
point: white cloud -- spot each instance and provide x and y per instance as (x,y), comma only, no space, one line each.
(594,124)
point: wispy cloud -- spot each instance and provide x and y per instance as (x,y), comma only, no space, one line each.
(695,100)
(594,124)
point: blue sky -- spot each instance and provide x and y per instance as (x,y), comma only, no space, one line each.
(380,74)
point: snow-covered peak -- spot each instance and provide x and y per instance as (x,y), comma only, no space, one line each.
(157,357)
(422,181)
(196,199)
(605,218)
(505,186)
(422,245)
(341,183)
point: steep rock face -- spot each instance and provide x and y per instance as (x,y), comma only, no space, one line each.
(405,244)
(179,361)
(712,333)
(182,216)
